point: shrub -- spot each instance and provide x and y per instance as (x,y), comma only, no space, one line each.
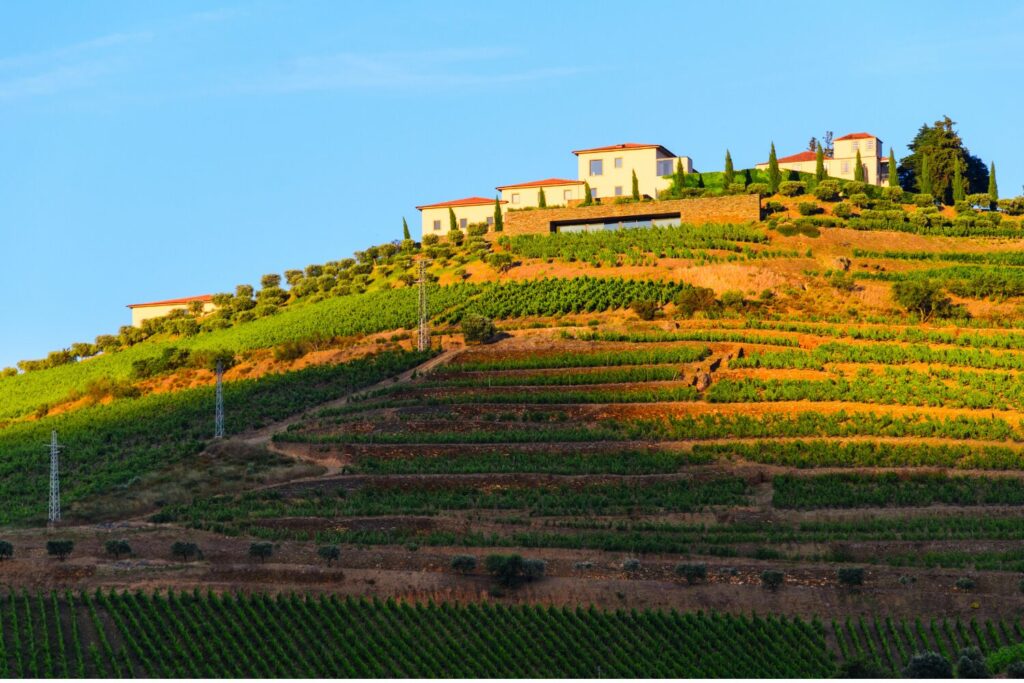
(733,299)
(631,564)
(827,190)
(455,236)
(694,299)
(645,309)
(924,297)
(842,210)
(860,200)
(982,200)
(117,548)
(185,550)
(60,549)
(774,207)
(290,350)
(758,189)
(772,578)
(500,262)
(1015,669)
(735,188)
(477,229)
(924,199)
(792,188)
(261,550)
(6,550)
(430,240)
(1012,207)
(971,664)
(534,569)
(693,573)
(966,583)
(850,576)
(329,553)
(808,208)
(463,563)
(512,570)
(861,668)
(477,328)
(893,194)
(928,665)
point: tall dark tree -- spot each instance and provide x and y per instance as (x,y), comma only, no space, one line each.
(542,199)
(730,175)
(679,177)
(858,169)
(700,180)
(819,163)
(993,188)
(774,176)
(943,147)
(636,187)
(588,195)
(827,144)
(959,193)
(406,235)
(924,180)
(453,223)
(499,220)
(813,144)
(894,178)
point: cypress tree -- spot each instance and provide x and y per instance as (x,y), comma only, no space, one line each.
(774,176)
(819,163)
(958,183)
(499,221)
(993,188)
(588,197)
(700,180)
(729,176)
(680,176)
(636,187)
(894,177)
(453,224)
(405,230)
(746,177)
(542,200)
(858,169)
(924,182)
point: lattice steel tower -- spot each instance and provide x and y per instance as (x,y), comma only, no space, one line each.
(54,478)
(424,333)
(218,417)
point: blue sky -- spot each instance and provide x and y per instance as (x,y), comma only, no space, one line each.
(155,149)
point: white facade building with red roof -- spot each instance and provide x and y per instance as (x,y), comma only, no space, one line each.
(158,309)
(842,163)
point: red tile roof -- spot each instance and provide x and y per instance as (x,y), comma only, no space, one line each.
(468,201)
(856,136)
(806,155)
(542,183)
(624,145)
(170,302)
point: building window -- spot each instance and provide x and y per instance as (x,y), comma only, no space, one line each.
(515,198)
(618,190)
(664,167)
(567,195)
(846,167)
(596,167)
(490,220)
(437,225)
(618,162)
(870,145)
(593,193)
(855,145)
(463,222)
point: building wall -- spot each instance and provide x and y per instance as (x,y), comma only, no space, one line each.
(744,208)
(643,161)
(479,213)
(142,313)
(554,195)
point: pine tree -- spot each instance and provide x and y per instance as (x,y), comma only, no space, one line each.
(499,221)
(729,176)
(959,194)
(453,224)
(542,200)
(774,176)
(924,183)
(858,169)
(405,230)
(993,188)
(588,197)
(636,188)
(819,163)
(894,177)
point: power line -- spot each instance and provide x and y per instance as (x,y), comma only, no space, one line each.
(218,417)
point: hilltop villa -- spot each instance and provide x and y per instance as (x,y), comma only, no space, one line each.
(842,162)
(158,309)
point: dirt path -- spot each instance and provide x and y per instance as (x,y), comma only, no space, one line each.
(263,436)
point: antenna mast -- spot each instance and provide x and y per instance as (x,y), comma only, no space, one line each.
(54,515)
(218,418)
(424,331)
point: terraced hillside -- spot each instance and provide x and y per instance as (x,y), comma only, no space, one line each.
(815,418)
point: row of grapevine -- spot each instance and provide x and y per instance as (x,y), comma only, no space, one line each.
(193,635)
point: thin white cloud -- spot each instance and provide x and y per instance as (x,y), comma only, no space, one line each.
(49,82)
(48,57)
(435,68)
